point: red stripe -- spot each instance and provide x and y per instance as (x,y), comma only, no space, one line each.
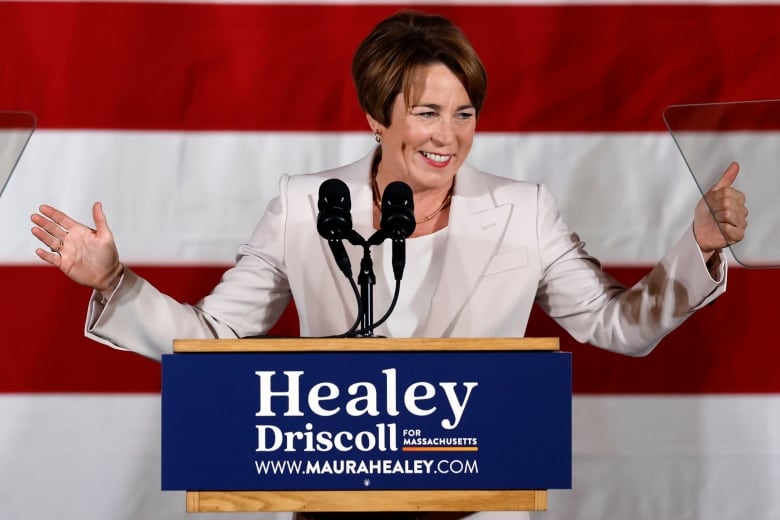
(728,347)
(286,67)
(44,342)
(725,348)
(10,120)
(756,115)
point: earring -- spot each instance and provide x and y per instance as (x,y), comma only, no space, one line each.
(377,136)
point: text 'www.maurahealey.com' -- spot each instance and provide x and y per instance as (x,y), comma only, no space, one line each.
(367,467)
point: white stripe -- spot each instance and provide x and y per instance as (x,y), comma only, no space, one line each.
(93,457)
(86,457)
(12,144)
(192,197)
(685,426)
(680,457)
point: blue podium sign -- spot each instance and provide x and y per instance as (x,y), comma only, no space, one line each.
(366,420)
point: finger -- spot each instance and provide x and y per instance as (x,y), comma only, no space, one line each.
(729,212)
(732,225)
(57,216)
(49,257)
(732,233)
(730,195)
(730,201)
(728,177)
(51,227)
(54,243)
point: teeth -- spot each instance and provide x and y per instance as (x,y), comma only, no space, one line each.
(436,157)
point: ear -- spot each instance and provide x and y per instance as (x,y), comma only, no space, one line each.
(376,128)
(374,125)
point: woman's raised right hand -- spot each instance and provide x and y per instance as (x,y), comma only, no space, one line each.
(87,256)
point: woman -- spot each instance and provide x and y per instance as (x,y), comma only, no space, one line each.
(491,243)
(486,248)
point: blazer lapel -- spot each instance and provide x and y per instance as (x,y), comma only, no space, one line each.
(475,228)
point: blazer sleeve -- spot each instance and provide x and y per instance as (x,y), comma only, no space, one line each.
(597,309)
(248,300)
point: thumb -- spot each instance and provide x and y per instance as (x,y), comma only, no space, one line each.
(728,177)
(101,223)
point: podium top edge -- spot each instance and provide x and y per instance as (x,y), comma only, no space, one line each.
(363,344)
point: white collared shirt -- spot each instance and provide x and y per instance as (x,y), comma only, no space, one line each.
(424,258)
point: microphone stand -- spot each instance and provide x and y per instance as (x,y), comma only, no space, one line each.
(396,222)
(366,281)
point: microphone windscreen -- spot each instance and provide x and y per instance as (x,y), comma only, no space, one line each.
(397,210)
(334,220)
(334,193)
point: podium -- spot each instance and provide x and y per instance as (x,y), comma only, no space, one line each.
(366,424)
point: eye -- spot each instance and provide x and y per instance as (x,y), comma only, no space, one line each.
(465,115)
(427,114)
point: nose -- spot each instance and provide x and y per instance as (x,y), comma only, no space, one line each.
(444,133)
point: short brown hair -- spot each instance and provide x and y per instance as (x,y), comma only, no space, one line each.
(385,60)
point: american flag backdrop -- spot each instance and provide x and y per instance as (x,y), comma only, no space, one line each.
(180,117)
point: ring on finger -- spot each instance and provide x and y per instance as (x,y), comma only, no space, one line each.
(59,246)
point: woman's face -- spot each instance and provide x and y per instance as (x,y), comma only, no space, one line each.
(428,141)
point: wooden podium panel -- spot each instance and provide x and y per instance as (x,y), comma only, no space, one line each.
(368,500)
(363,344)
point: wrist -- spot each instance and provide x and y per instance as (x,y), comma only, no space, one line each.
(112,282)
(712,262)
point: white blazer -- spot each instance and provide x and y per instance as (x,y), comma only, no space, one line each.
(507,249)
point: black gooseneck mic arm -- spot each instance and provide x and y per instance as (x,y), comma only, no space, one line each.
(396,223)
(334,224)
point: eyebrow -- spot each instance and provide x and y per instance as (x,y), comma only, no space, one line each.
(438,107)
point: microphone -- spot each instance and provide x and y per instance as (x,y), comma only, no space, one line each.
(397,221)
(334,220)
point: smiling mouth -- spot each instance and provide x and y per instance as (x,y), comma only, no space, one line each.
(437,159)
